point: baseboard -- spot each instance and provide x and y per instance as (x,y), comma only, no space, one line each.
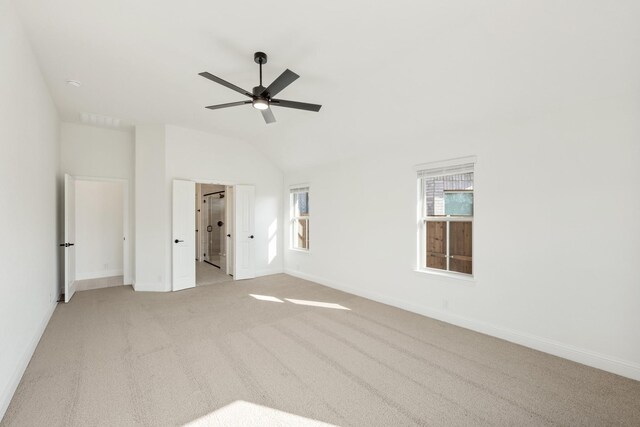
(266,272)
(556,348)
(11,387)
(100,274)
(150,287)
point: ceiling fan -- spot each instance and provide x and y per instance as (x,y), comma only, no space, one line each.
(263,97)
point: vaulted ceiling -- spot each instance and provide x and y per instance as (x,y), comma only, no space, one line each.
(385,72)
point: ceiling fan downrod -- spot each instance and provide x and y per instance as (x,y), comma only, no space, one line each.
(260,58)
(262,98)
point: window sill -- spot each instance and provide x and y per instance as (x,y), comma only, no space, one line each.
(302,251)
(469,279)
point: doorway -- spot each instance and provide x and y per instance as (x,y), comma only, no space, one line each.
(96,228)
(238,250)
(214,225)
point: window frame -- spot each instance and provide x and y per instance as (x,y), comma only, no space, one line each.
(423,219)
(293,218)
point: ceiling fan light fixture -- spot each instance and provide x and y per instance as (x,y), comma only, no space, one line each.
(262,97)
(260,104)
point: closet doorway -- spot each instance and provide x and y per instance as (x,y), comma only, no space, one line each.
(96,226)
(214,228)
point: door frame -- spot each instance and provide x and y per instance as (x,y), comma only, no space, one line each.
(126,245)
(229,259)
(199,222)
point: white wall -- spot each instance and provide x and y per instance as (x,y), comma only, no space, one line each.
(167,153)
(89,151)
(30,205)
(557,236)
(205,157)
(99,229)
(150,213)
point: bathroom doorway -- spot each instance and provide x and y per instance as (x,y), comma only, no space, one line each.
(214,229)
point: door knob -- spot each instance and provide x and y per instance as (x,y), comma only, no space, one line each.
(251,237)
(228,235)
(178,241)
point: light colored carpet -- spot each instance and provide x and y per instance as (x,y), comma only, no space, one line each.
(207,274)
(294,353)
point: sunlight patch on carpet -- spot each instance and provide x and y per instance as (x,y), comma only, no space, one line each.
(318,304)
(266,298)
(242,413)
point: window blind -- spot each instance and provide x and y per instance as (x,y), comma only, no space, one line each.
(444,171)
(299,190)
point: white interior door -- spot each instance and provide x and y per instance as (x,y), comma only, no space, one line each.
(245,228)
(229,232)
(69,237)
(183,236)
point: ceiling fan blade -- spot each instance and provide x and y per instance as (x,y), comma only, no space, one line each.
(231,86)
(285,79)
(268,116)
(230,104)
(296,105)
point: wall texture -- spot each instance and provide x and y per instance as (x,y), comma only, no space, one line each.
(557,236)
(99,229)
(30,212)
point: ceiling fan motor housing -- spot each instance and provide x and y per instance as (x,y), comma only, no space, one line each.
(260,57)
(257,91)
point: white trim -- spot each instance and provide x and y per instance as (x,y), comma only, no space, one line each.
(442,164)
(586,357)
(148,287)
(14,381)
(210,181)
(268,272)
(100,274)
(448,218)
(445,273)
(299,189)
(302,251)
(299,186)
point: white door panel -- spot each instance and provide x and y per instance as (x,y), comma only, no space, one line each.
(69,237)
(244,240)
(183,236)
(229,231)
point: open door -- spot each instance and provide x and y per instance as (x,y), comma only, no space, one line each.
(244,239)
(69,237)
(183,238)
(229,232)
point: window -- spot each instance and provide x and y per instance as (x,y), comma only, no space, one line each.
(446,216)
(299,201)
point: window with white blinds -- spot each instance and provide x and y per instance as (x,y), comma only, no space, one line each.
(299,217)
(446,201)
